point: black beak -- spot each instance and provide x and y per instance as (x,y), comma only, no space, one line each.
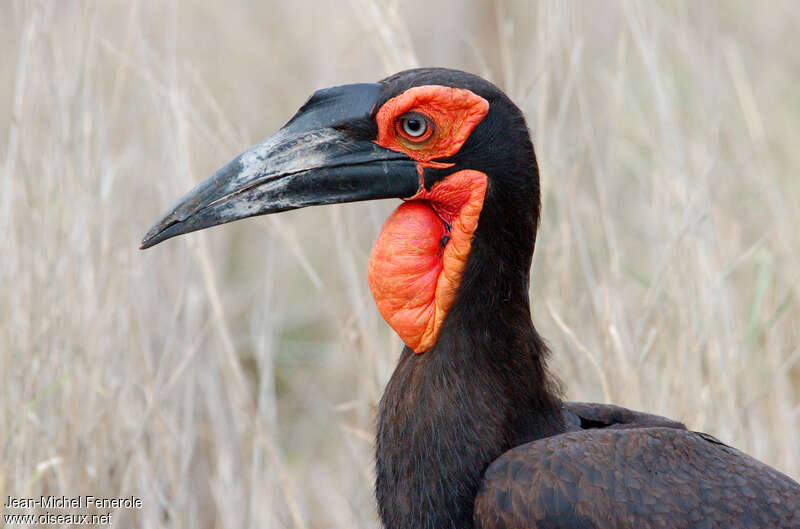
(310,161)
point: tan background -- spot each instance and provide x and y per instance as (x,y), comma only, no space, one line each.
(229,378)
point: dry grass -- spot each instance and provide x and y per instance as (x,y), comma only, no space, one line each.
(229,378)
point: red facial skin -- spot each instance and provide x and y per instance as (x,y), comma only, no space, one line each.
(414,269)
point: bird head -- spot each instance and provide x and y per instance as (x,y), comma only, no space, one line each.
(450,144)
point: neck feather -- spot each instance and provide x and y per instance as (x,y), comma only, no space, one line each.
(447,414)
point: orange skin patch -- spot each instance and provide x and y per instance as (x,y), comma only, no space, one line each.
(416,264)
(454,112)
(413,279)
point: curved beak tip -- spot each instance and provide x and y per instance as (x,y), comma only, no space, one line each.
(145,244)
(157,234)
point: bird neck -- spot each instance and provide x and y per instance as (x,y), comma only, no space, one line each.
(448,413)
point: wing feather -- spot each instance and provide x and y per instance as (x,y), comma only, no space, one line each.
(634,478)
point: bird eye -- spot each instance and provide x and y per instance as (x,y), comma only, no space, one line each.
(415,127)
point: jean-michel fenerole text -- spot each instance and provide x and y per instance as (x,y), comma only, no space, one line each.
(73,502)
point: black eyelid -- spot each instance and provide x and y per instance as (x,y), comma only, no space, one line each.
(417,115)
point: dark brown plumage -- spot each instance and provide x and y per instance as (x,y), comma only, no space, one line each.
(633,477)
(473,432)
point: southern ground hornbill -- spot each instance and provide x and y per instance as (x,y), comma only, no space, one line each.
(471,431)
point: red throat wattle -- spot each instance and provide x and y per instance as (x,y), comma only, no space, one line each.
(417,262)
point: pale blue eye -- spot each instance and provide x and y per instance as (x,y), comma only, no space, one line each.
(414,126)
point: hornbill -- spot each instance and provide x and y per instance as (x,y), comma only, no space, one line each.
(471,429)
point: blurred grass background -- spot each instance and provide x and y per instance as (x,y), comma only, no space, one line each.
(229,378)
